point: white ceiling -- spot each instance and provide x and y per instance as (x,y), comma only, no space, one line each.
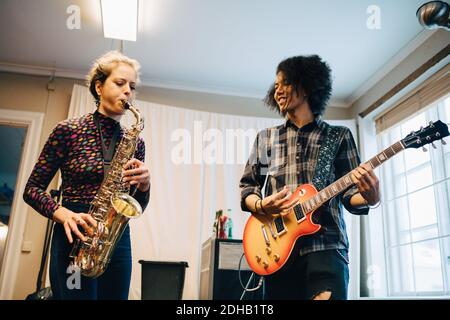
(218,46)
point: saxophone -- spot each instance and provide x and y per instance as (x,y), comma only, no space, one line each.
(112,208)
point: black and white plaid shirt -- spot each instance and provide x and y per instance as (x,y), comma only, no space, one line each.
(287,155)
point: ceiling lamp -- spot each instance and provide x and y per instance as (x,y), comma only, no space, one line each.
(119,19)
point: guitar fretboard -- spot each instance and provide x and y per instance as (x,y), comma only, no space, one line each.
(345,181)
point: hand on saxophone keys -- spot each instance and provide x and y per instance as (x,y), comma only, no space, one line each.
(71,220)
(136,172)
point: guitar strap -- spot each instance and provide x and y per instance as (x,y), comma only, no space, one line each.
(327,154)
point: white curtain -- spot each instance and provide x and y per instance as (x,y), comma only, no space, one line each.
(196,160)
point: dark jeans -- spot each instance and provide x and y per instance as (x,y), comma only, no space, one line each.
(304,277)
(113,284)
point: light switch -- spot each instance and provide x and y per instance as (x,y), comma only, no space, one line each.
(27,246)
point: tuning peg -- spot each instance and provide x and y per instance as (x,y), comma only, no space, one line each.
(433,145)
(424,149)
(431,124)
(422,129)
(443,142)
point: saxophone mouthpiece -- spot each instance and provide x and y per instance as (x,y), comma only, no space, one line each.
(125,104)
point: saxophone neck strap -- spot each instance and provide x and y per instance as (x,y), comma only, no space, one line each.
(108,153)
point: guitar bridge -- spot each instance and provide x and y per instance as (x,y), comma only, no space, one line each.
(274,236)
(266,238)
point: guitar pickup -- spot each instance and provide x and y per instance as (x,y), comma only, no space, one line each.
(299,215)
(279,225)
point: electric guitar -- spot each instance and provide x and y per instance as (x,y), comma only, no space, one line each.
(269,239)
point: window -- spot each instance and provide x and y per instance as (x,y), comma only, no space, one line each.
(415,188)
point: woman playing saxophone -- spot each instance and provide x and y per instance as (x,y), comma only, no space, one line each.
(78,148)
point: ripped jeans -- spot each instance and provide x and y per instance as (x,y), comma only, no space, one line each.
(304,277)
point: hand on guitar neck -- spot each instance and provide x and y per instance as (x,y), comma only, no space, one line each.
(368,186)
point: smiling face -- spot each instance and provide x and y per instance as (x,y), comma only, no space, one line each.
(119,86)
(285,95)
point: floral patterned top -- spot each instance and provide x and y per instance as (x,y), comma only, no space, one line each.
(75,147)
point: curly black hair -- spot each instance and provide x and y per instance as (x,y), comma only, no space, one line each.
(309,73)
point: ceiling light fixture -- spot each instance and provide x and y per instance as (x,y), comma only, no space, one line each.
(119,19)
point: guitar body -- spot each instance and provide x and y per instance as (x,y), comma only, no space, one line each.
(269,240)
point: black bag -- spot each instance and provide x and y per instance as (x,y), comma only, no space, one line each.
(45,293)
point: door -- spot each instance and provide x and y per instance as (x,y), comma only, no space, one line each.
(12,139)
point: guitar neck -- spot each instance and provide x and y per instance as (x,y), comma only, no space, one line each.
(345,181)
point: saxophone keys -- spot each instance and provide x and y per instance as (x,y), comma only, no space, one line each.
(100,228)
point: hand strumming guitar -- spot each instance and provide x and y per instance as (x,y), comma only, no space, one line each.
(278,203)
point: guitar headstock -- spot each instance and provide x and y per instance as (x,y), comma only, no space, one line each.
(434,131)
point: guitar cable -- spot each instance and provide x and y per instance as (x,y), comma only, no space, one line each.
(260,282)
(261,278)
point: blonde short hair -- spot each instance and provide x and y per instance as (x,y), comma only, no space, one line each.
(103,66)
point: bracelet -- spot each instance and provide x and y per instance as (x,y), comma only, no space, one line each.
(260,206)
(256,205)
(259,200)
(262,209)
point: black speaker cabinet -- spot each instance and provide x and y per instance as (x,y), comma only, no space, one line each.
(219,275)
(162,280)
